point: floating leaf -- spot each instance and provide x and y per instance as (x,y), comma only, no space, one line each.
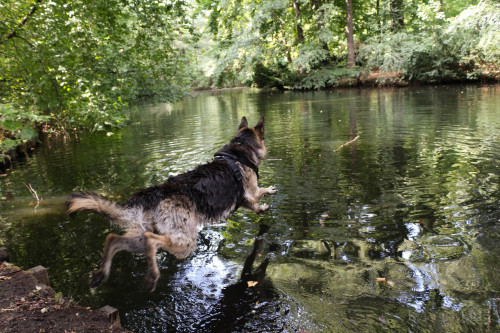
(252,283)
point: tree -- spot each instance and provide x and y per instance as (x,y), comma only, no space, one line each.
(397,15)
(300,31)
(350,34)
(82,62)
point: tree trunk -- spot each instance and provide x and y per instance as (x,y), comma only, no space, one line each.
(300,31)
(317,8)
(379,21)
(397,15)
(350,35)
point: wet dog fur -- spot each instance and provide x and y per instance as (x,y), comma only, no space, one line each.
(167,216)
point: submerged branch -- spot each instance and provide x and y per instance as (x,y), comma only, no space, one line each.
(33,192)
(347,143)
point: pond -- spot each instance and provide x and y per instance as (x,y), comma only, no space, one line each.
(397,229)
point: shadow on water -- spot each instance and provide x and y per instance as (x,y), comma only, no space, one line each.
(251,297)
(204,295)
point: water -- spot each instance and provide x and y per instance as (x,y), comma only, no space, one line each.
(396,231)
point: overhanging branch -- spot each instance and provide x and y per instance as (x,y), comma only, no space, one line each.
(22,23)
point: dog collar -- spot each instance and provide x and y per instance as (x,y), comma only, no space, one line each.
(232,159)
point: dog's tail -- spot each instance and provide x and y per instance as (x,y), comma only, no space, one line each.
(80,201)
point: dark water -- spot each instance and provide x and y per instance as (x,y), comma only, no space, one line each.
(397,231)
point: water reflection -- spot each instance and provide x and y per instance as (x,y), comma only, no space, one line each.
(204,294)
(396,231)
(246,304)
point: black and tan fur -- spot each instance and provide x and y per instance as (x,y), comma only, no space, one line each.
(166,216)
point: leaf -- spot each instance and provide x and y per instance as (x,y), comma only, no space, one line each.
(11,125)
(252,283)
(26,133)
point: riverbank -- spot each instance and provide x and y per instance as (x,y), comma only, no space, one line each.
(29,304)
(376,79)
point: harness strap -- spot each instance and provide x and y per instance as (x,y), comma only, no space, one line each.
(232,159)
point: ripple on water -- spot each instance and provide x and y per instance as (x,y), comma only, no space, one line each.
(434,247)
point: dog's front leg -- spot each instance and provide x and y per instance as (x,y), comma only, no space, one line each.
(256,208)
(252,202)
(254,194)
(266,190)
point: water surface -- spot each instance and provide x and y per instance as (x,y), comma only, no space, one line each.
(397,230)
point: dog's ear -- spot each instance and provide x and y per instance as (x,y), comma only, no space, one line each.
(244,123)
(260,126)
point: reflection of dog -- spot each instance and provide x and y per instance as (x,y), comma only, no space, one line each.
(239,301)
(166,216)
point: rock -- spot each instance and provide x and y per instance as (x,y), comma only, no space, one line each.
(311,249)
(4,254)
(40,273)
(112,315)
(434,247)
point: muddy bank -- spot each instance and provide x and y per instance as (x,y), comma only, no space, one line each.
(29,304)
(20,153)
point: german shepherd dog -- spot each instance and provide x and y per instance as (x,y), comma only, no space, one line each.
(166,216)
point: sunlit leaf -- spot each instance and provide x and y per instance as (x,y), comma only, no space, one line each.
(252,283)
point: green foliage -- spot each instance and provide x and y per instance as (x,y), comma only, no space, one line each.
(473,36)
(252,40)
(452,52)
(326,77)
(276,76)
(309,56)
(82,62)
(394,52)
(17,126)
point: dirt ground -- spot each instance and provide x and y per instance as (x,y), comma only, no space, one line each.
(26,305)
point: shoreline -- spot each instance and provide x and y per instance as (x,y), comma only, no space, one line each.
(373,81)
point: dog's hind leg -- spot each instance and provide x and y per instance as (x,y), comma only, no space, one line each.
(131,241)
(153,242)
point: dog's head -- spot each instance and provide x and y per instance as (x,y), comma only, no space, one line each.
(252,138)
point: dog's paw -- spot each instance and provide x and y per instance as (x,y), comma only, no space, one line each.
(271,190)
(263,208)
(150,282)
(97,278)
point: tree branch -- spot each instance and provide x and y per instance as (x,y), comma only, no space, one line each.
(22,23)
(347,143)
(31,45)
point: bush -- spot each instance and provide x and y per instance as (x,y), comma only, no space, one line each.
(17,126)
(394,52)
(473,35)
(327,77)
(453,52)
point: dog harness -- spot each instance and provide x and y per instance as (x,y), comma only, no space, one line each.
(232,159)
